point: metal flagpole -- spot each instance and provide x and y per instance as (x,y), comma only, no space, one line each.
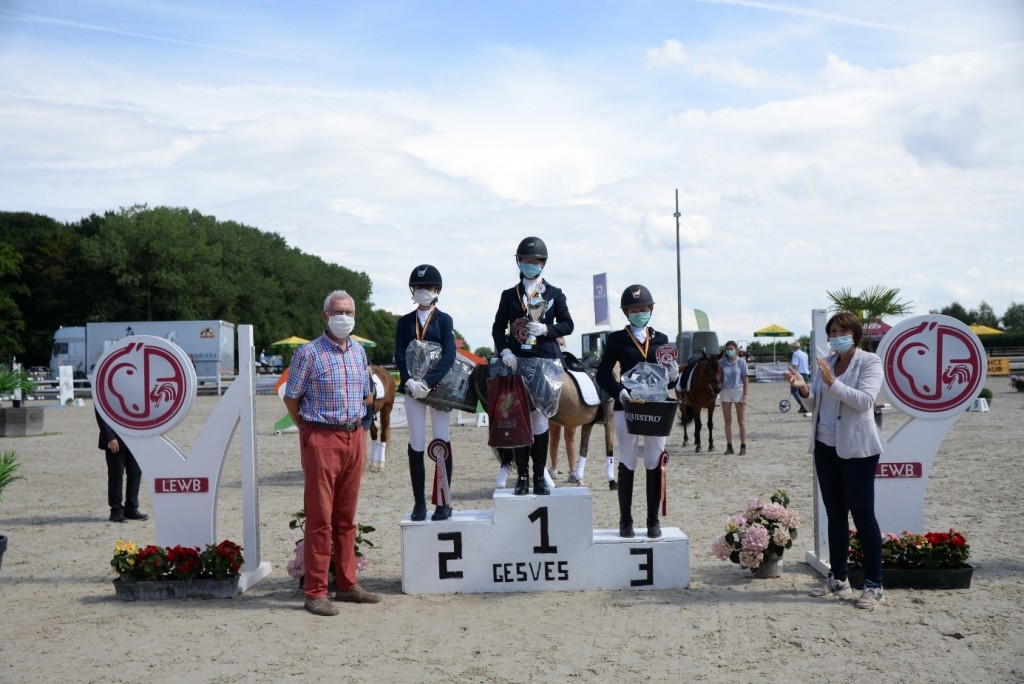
(679,279)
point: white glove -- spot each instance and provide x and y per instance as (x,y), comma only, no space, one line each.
(673,373)
(416,388)
(624,395)
(509,359)
(536,328)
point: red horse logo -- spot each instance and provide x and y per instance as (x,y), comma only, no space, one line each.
(933,367)
(141,386)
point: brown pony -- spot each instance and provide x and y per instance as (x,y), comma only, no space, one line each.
(572,412)
(381,407)
(705,384)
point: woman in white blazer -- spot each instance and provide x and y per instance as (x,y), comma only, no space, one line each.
(846,447)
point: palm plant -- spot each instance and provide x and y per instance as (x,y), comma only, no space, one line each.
(11,380)
(873,303)
(8,465)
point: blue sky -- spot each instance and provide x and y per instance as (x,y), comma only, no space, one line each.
(815,145)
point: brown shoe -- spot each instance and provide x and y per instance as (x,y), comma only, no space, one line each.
(356,595)
(321,606)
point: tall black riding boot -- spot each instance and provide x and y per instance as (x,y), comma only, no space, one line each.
(653,503)
(442,512)
(523,471)
(416,474)
(539,456)
(625,502)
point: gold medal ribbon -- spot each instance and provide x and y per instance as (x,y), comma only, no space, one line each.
(420,332)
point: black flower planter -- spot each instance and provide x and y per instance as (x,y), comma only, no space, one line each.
(158,590)
(918,578)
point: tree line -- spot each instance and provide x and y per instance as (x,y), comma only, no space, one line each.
(166,263)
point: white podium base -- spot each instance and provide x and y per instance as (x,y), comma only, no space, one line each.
(537,543)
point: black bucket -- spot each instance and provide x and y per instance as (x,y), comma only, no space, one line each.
(652,418)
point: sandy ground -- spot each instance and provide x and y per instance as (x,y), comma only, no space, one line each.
(61,620)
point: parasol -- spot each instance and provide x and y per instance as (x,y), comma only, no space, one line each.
(773,331)
(293,341)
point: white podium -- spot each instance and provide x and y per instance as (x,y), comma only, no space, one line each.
(537,543)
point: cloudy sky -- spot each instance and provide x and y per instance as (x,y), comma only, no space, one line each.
(814,145)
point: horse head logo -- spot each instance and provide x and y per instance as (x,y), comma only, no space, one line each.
(933,367)
(142,386)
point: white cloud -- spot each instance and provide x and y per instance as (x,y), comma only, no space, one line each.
(856,175)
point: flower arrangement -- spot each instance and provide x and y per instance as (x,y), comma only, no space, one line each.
(296,566)
(760,533)
(928,550)
(134,564)
(1017,382)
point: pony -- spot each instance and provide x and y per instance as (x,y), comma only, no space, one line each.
(705,384)
(381,407)
(572,410)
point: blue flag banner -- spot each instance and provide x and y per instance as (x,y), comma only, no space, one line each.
(702,320)
(601,299)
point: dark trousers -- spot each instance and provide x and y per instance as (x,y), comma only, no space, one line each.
(117,465)
(847,488)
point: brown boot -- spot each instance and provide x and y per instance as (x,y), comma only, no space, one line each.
(321,606)
(356,595)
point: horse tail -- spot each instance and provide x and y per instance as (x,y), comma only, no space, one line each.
(688,415)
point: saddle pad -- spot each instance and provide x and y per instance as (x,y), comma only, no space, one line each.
(378,387)
(588,391)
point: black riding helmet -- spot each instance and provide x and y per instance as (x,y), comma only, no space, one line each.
(636,295)
(424,275)
(532,247)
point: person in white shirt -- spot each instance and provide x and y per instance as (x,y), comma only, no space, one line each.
(798,364)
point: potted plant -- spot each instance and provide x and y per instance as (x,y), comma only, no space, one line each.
(162,572)
(296,566)
(8,467)
(16,420)
(933,560)
(757,537)
(1017,382)
(986,394)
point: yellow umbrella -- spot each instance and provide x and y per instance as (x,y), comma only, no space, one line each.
(367,344)
(293,341)
(980,330)
(773,331)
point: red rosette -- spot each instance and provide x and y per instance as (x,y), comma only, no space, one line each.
(439,450)
(519,329)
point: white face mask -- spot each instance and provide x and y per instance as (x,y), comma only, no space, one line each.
(424,297)
(341,326)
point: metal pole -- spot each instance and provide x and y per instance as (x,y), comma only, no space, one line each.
(679,278)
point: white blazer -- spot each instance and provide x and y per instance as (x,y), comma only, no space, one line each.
(856,433)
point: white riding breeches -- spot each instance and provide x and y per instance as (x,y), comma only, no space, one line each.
(628,445)
(416,416)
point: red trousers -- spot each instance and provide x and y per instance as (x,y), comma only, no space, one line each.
(332,465)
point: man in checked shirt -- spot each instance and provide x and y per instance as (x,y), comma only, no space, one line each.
(327,393)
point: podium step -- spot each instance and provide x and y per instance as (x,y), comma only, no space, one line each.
(536,543)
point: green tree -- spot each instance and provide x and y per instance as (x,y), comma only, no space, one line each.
(10,312)
(955,310)
(984,315)
(485,352)
(160,262)
(1013,319)
(874,303)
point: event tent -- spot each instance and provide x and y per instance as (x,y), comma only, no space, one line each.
(979,330)
(773,331)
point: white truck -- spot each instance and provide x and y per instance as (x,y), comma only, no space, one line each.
(210,344)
